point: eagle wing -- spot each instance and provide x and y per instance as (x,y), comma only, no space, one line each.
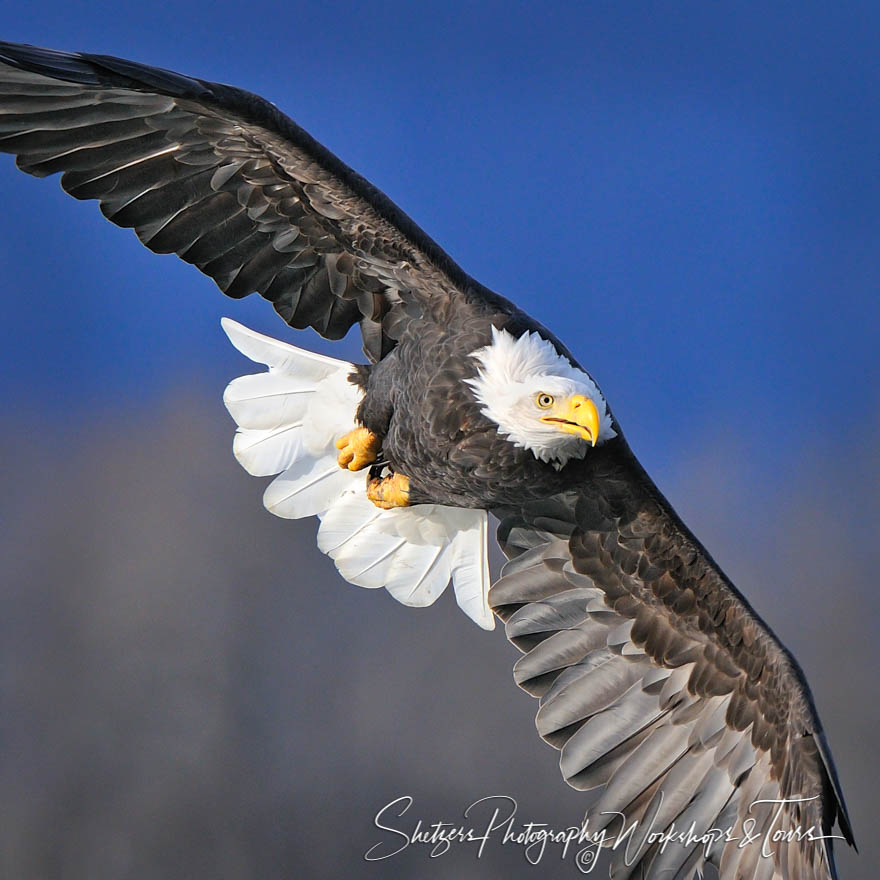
(659,684)
(223,179)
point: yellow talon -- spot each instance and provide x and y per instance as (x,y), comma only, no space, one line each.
(388,492)
(359,449)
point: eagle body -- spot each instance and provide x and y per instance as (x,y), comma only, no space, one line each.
(664,692)
(416,400)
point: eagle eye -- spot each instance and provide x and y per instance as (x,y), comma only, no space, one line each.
(545,401)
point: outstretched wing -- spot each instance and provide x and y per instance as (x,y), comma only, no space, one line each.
(660,685)
(223,179)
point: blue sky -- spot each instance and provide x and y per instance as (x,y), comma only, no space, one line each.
(686,193)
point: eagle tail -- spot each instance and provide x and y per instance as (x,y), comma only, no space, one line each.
(288,421)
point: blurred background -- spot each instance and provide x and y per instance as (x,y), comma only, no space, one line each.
(687,193)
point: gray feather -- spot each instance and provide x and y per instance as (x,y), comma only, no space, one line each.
(607,730)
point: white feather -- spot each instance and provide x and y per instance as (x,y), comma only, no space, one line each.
(370,569)
(350,516)
(418,575)
(289,420)
(308,487)
(512,373)
(263,453)
(278,355)
(331,413)
(413,551)
(366,563)
(268,400)
(299,407)
(470,567)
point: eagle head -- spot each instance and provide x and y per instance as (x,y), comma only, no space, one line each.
(538,399)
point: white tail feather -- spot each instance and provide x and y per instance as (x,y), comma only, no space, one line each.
(348,520)
(470,568)
(309,487)
(277,355)
(418,575)
(263,453)
(267,400)
(289,419)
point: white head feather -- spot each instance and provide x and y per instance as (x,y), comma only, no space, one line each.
(513,373)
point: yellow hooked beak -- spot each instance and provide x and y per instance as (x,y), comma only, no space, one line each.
(575,415)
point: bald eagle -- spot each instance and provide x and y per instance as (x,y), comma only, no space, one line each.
(658,683)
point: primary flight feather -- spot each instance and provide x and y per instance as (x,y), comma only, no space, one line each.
(657,682)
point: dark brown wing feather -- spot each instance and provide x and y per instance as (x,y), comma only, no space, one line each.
(220,177)
(659,684)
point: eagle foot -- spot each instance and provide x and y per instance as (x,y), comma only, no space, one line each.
(358,449)
(390,491)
